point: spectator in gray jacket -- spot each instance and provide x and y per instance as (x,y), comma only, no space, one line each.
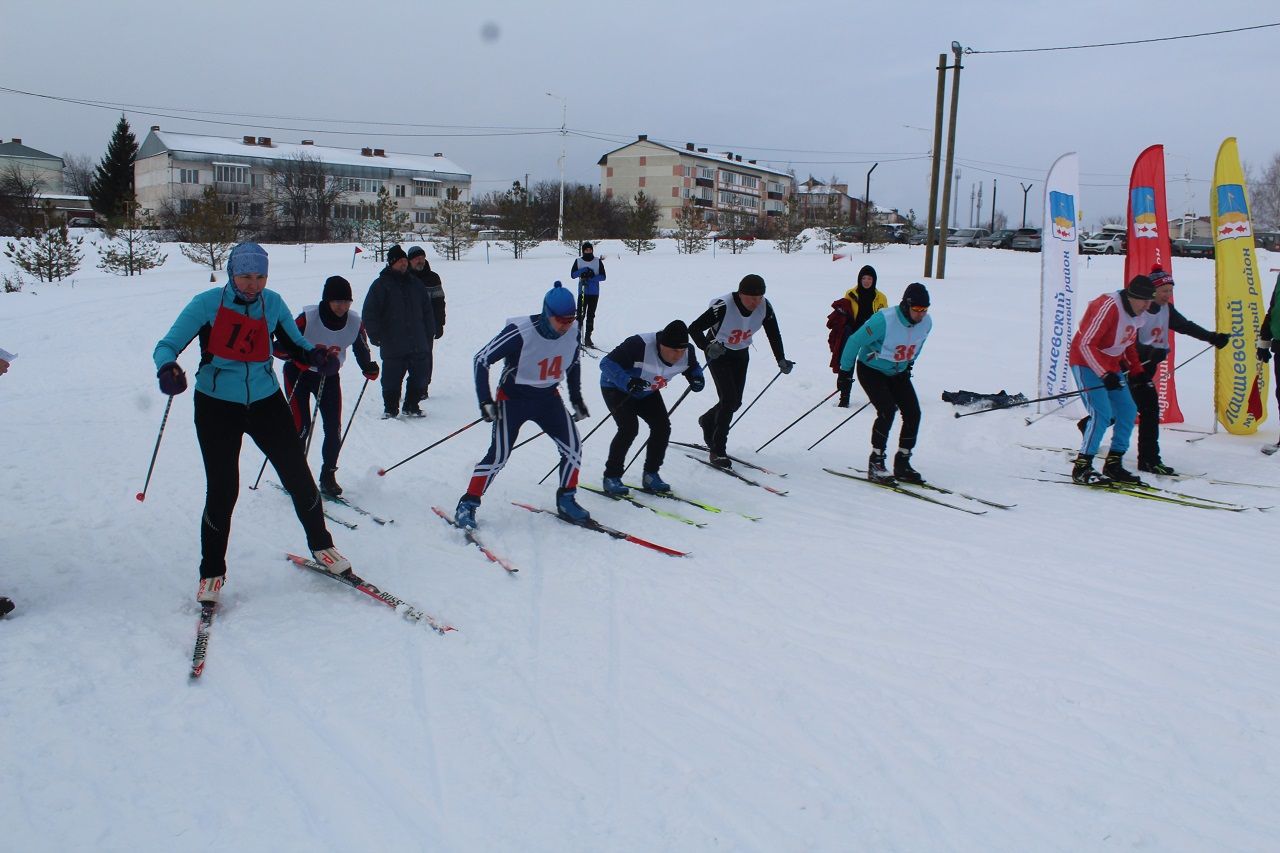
(398,318)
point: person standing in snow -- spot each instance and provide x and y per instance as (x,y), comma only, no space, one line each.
(1103,349)
(537,352)
(632,377)
(885,350)
(6,604)
(589,271)
(848,313)
(330,324)
(420,269)
(397,316)
(1269,335)
(723,332)
(237,395)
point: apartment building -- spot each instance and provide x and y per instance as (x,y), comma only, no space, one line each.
(828,203)
(721,184)
(175,168)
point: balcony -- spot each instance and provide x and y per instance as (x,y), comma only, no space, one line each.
(704,182)
(702,202)
(227,188)
(775,196)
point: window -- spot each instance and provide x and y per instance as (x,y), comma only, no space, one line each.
(189,176)
(357,185)
(686,171)
(775,187)
(424,217)
(749,182)
(400,191)
(232,208)
(186,205)
(430,189)
(258,181)
(706,173)
(686,192)
(255,211)
(228,174)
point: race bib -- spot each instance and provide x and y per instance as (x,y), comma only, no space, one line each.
(239,338)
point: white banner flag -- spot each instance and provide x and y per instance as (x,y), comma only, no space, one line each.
(1059,251)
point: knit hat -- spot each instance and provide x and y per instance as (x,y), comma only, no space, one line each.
(751,285)
(394,254)
(336,288)
(558,302)
(247,258)
(416,251)
(1140,287)
(915,296)
(1158,276)
(586,246)
(675,335)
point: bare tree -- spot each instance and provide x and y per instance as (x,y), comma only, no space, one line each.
(788,229)
(77,173)
(207,229)
(304,192)
(1264,195)
(20,210)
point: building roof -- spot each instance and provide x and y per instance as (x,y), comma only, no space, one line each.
(720,158)
(161,141)
(17,149)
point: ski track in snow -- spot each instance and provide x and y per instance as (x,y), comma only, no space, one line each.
(858,670)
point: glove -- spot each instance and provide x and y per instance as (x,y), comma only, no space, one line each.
(586,274)
(715,349)
(697,383)
(1111,381)
(785,366)
(636,385)
(489,412)
(844,381)
(1264,354)
(1219,339)
(372,373)
(174,381)
(325,360)
(580,412)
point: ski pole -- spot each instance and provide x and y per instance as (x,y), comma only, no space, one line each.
(382,472)
(837,426)
(603,421)
(798,420)
(315,413)
(1061,396)
(753,402)
(288,402)
(352,419)
(142,495)
(674,406)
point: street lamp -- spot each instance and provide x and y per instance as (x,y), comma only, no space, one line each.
(564,133)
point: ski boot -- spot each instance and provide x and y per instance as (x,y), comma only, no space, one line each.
(1156,467)
(329,485)
(1082,472)
(333,562)
(210,589)
(707,429)
(6,606)
(389,415)
(414,412)
(567,506)
(876,472)
(465,514)
(654,483)
(902,469)
(614,488)
(719,460)
(1114,468)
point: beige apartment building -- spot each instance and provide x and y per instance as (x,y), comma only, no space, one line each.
(718,183)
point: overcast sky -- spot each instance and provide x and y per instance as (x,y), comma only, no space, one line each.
(826,88)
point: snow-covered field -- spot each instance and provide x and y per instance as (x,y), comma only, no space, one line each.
(856,671)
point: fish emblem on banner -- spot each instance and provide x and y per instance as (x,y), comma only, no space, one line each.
(1233,213)
(1062,206)
(1142,201)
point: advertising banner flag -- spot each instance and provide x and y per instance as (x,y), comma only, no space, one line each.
(1148,246)
(1240,380)
(1059,256)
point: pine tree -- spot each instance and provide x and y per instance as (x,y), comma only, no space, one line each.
(641,223)
(518,221)
(692,230)
(453,236)
(50,257)
(112,187)
(385,225)
(207,231)
(788,229)
(131,248)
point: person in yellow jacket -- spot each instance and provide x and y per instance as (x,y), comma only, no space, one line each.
(848,313)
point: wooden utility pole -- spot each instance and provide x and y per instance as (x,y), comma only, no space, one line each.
(951,161)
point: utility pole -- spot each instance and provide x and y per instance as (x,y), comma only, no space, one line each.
(564,135)
(993,205)
(1026,188)
(973,188)
(951,160)
(978,219)
(866,211)
(931,232)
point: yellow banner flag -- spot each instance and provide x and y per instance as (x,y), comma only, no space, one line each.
(1240,380)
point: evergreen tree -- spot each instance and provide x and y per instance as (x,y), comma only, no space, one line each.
(641,223)
(385,225)
(453,236)
(112,187)
(131,248)
(50,257)
(788,229)
(518,221)
(207,231)
(692,230)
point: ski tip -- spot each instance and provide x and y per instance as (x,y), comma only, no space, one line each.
(140,497)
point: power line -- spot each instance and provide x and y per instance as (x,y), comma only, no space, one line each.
(969,50)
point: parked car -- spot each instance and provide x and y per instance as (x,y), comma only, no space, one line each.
(1026,240)
(999,239)
(1106,243)
(966,236)
(81,222)
(917,237)
(1198,248)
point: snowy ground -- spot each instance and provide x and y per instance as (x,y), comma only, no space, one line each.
(857,671)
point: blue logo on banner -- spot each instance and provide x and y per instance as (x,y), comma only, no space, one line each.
(1233,213)
(1062,210)
(1142,201)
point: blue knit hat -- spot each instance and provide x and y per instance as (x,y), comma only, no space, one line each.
(559,302)
(247,258)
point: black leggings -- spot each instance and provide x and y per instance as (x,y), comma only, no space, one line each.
(627,412)
(587,308)
(729,372)
(890,395)
(304,385)
(220,429)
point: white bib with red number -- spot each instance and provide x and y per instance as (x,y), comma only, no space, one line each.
(543,362)
(653,369)
(902,340)
(1127,327)
(322,336)
(735,330)
(1155,327)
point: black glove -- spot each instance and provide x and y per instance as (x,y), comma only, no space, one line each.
(697,383)
(586,274)
(1111,381)
(325,360)
(785,366)
(174,381)
(580,412)
(489,412)
(1264,353)
(715,349)
(1219,339)
(636,385)
(844,381)
(373,372)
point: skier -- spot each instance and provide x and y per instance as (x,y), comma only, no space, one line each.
(589,271)
(848,313)
(723,333)
(1269,334)
(420,269)
(237,394)
(6,604)
(332,323)
(885,349)
(535,350)
(397,315)
(1103,349)
(631,381)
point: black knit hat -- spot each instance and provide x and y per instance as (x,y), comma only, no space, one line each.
(915,296)
(1140,287)
(416,251)
(394,254)
(675,335)
(751,285)
(336,288)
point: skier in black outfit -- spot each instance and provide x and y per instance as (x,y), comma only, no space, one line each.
(420,268)
(397,315)
(6,605)
(723,332)
(589,271)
